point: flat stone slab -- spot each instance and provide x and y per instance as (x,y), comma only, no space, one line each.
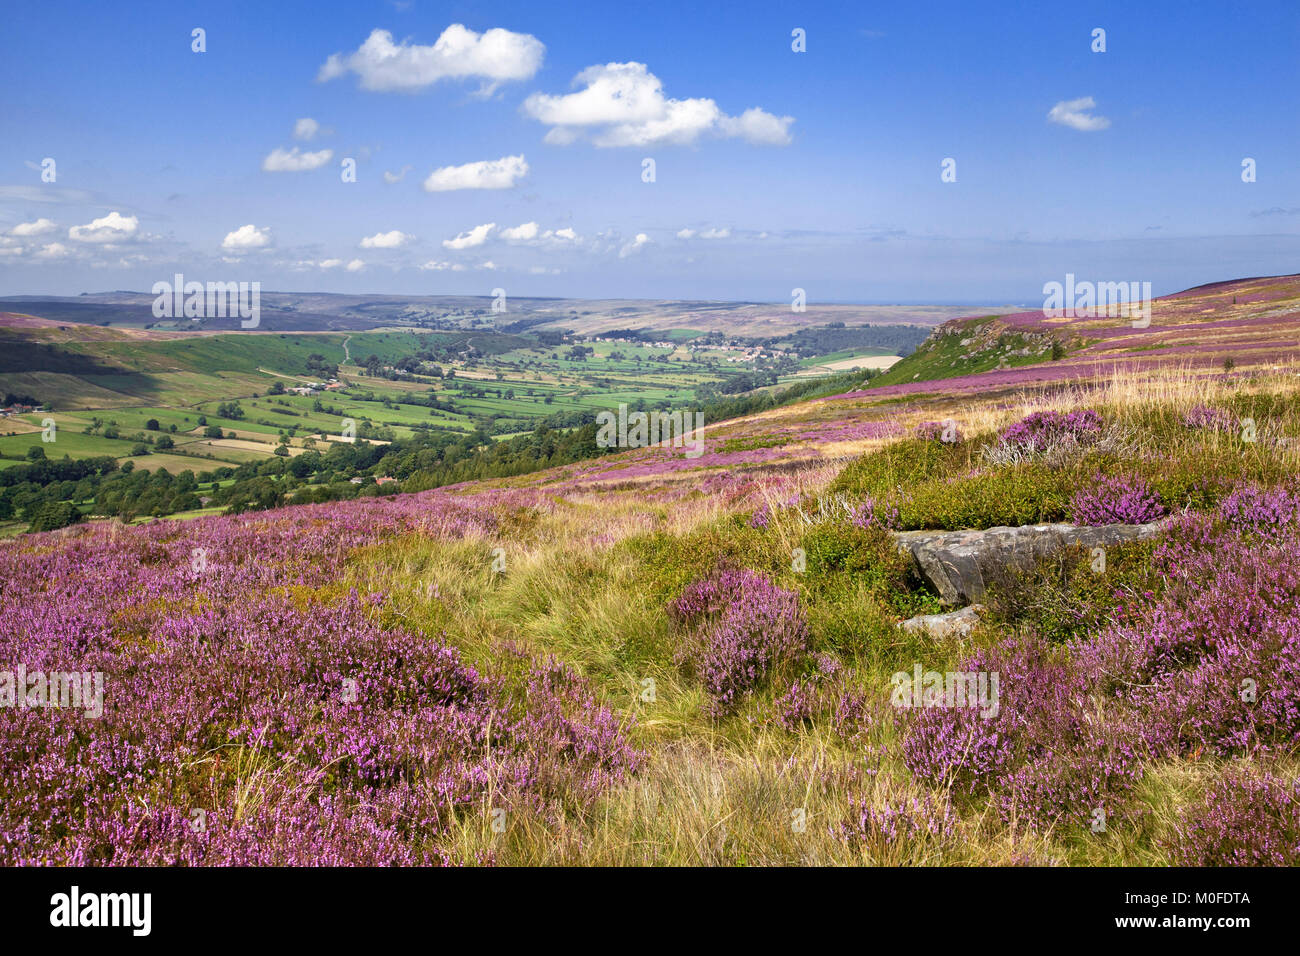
(959,564)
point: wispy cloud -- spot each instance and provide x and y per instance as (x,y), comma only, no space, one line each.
(1075,114)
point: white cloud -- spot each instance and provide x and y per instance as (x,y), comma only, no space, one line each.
(330,263)
(1074,114)
(53,250)
(495,56)
(633,246)
(38,228)
(397,177)
(521,233)
(758,127)
(306,128)
(111,228)
(386,240)
(435,266)
(294,160)
(489,265)
(500,173)
(723,233)
(356,265)
(246,237)
(623,104)
(530,233)
(467,240)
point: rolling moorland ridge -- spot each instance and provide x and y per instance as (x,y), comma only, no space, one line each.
(642,656)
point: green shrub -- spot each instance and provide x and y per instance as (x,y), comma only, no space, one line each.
(1062,597)
(902,464)
(1012,495)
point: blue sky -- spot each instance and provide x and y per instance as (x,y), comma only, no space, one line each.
(773,168)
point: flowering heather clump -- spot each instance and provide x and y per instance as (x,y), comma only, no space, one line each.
(870,515)
(1243,820)
(1039,431)
(901,821)
(797,706)
(826,696)
(1249,507)
(242,682)
(761,517)
(745,627)
(1116,500)
(1210,418)
(1214,664)
(1044,755)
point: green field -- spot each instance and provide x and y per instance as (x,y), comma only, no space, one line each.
(394,384)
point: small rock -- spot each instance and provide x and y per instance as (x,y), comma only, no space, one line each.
(954,624)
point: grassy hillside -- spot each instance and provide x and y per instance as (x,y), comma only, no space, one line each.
(968,347)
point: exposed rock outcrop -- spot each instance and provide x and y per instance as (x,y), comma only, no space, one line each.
(960,564)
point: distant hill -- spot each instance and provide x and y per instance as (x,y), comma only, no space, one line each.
(322,312)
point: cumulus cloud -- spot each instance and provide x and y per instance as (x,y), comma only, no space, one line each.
(386,240)
(306,128)
(111,228)
(634,246)
(38,228)
(1074,114)
(530,233)
(356,265)
(475,237)
(623,104)
(500,173)
(246,237)
(495,56)
(521,233)
(294,160)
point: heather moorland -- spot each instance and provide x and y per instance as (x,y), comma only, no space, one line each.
(655,657)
